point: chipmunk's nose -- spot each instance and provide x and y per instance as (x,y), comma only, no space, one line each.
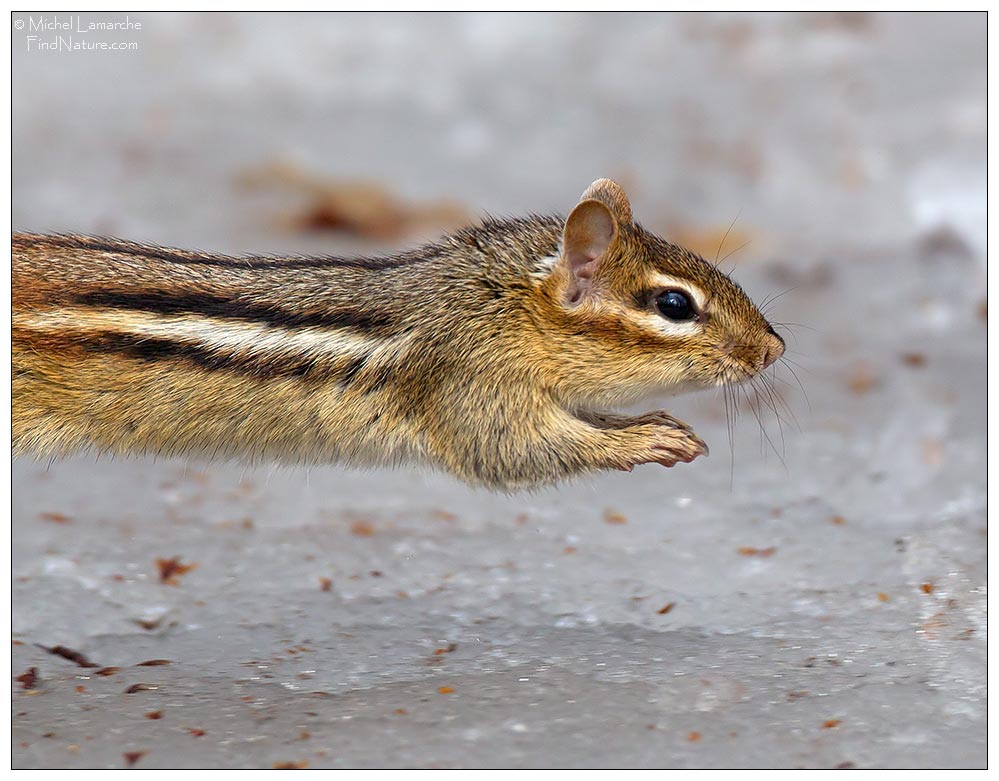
(774,348)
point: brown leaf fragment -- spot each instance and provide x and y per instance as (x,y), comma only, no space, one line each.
(131,757)
(195,731)
(155,715)
(694,736)
(614,518)
(301,765)
(913,360)
(71,655)
(28,678)
(764,553)
(362,529)
(861,378)
(363,208)
(926,588)
(449,648)
(931,625)
(55,517)
(325,584)
(171,569)
(141,687)
(666,608)
(154,663)
(149,625)
(831,723)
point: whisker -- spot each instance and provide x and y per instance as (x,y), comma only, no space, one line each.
(769,300)
(756,413)
(792,362)
(722,244)
(763,429)
(794,374)
(785,327)
(737,249)
(768,392)
(776,398)
(758,407)
(795,325)
(782,381)
(730,425)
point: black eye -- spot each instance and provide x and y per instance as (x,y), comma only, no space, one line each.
(675,305)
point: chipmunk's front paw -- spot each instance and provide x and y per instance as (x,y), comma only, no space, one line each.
(662,439)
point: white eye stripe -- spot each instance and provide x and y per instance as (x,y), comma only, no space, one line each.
(666,281)
(659,323)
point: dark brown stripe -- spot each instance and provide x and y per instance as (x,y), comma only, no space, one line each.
(158,349)
(364,377)
(152,349)
(377,323)
(350,371)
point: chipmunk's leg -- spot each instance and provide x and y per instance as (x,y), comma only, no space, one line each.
(653,438)
(553,445)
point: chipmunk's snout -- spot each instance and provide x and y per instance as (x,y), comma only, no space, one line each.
(757,353)
(773,349)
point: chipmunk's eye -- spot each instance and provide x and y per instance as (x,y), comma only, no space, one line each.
(675,305)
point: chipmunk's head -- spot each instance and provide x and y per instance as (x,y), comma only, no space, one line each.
(654,315)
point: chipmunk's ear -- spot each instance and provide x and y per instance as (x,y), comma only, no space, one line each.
(591,231)
(612,196)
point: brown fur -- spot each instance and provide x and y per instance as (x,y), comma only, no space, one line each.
(490,353)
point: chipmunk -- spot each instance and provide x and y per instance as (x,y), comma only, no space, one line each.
(494,353)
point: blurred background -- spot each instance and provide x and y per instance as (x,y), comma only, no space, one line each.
(811,595)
